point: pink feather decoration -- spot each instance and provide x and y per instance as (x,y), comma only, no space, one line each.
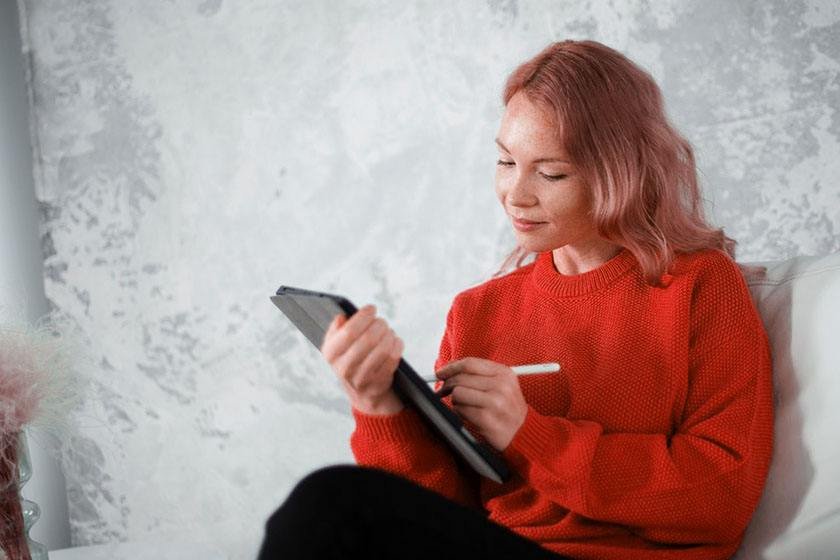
(21,383)
(37,383)
(36,387)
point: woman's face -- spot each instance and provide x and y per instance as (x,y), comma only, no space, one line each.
(541,191)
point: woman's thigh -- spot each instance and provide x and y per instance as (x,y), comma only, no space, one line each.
(349,511)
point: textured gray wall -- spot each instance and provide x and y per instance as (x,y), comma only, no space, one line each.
(191,156)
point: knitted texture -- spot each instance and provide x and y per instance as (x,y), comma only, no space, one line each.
(653,441)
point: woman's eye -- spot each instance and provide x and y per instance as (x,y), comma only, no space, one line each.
(549,177)
(553,177)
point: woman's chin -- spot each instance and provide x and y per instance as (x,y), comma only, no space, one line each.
(532,245)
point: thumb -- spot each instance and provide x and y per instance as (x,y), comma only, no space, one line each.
(337,322)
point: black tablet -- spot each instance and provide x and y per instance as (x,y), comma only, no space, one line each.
(312,312)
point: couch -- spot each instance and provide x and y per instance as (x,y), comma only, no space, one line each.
(799,513)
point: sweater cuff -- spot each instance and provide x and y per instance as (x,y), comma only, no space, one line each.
(535,435)
(405,424)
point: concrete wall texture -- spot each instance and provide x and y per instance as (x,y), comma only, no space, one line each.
(191,156)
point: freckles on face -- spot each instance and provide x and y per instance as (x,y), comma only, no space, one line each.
(538,186)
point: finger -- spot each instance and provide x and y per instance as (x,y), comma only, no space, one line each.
(480,382)
(328,344)
(362,346)
(389,365)
(478,366)
(467,396)
(397,348)
(335,324)
(380,359)
(450,369)
(344,336)
(385,369)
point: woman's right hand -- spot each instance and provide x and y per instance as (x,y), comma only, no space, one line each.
(364,352)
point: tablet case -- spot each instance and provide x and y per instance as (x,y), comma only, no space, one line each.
(312,312)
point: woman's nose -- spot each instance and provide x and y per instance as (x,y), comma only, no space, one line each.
(519,193)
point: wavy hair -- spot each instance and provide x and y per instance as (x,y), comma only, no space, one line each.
(641,171)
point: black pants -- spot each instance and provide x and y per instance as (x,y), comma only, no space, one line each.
(354,512)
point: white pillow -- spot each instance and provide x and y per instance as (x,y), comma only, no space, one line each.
(799,513)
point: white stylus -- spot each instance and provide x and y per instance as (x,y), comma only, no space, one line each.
(527,369)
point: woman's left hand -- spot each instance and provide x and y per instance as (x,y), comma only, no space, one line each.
(487,394)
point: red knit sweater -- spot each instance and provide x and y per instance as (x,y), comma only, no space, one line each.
(655,438)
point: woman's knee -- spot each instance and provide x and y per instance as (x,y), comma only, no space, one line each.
(329,486)
(324,497)
(337,480)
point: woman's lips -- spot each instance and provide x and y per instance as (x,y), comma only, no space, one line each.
(526,225)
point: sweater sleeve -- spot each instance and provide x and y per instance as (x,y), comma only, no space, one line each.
(698,484)
(403,444)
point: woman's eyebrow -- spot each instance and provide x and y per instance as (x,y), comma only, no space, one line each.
(536,160)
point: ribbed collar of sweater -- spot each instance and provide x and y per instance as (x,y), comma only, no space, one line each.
(546,277)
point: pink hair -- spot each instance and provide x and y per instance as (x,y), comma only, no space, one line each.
(613,126)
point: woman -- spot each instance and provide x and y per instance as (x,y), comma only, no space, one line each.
(655,438)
